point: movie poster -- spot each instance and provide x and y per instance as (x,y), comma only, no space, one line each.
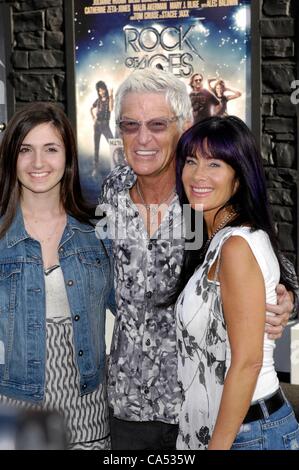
(3,101)
(113,38)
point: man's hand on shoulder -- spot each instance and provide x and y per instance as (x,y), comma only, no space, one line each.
(275,323)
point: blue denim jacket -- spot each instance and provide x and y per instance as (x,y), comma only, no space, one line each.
(87,269)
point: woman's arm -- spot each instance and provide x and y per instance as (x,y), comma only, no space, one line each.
(233,93)
(280,313)
(210,80)
(244,305)
(111,100)
(93,112)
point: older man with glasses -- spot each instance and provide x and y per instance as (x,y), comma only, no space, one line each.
(203,101)
(152,110)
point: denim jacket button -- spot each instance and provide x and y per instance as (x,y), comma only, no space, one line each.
(80,352)
(77,317)
(61,250)
(70,282)
(84,386)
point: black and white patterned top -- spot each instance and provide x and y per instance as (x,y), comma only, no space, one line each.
(142,375)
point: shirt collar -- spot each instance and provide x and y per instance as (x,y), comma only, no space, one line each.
(123,179)
(16,232)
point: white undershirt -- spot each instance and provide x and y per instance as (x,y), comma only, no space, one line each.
(57,304)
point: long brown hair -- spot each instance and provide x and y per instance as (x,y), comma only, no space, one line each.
(21,123)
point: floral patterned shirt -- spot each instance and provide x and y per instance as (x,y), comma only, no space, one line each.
(142,371)
(201,336)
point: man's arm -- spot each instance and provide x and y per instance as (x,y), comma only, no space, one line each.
(287,304)
(292,276)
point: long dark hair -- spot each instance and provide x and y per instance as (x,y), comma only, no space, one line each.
(103,86)
(229,139)
(21,123)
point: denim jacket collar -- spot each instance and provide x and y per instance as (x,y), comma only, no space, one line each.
(17,232)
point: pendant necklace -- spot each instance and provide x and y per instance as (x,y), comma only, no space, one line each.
(231,215)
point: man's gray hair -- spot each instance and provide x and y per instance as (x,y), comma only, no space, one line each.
(152,80)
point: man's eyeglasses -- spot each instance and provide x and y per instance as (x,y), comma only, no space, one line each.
(156,125)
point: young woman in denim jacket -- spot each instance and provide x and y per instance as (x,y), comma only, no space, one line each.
(55,279)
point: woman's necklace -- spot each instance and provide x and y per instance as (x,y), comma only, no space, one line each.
(50,235)
(154,208)
(231,215)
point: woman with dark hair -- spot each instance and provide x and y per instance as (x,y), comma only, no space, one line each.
(100,112)
(55,279)
(231,393)
(223,93)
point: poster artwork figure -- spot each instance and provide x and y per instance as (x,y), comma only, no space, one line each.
(202,100)
(223,93)
(101,112)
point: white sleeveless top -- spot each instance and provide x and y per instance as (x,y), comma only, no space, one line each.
(262,249)
(203,346)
